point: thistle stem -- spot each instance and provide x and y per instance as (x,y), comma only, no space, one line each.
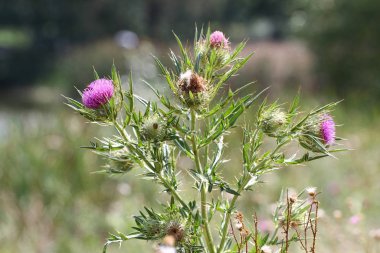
(198,166)
(228,213)
(226,219)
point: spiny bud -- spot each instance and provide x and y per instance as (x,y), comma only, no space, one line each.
(154,129)
(120,161)
(153,228)
(318,133)
(272,121)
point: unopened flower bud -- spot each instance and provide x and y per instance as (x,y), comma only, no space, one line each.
(154,129)
(120,161)
(272,121)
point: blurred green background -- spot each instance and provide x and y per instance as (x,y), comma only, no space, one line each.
(50,199)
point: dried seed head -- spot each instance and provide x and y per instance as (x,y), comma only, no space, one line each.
(239,224)
(239,217)
(193,89)
(294,224)
(311,191)
(292,199)
(191,82)
(176,230)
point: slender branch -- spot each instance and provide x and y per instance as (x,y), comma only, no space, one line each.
(315,224)
(255,238)
(228,213)
(148,163)
(226,218)
(207,231)
(233,233)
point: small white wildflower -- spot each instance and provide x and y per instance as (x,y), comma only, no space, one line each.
(238,225)
(266,249)
(165,249)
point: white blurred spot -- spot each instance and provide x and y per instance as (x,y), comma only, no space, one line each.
(127,39)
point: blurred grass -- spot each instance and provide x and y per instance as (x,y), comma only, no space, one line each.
(50,200)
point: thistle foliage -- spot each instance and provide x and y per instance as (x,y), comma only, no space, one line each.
(194,125)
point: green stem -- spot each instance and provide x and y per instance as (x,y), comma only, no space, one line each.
(198,166)
(227,216)
(226,221)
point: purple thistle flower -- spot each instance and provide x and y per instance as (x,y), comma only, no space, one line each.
(98,93)
(327,129)
(218,40)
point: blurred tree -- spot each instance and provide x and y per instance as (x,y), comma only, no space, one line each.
(345,37)
(53,27)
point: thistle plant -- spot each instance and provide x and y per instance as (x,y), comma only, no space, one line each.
(193,124)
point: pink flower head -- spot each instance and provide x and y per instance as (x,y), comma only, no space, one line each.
(218,40)
(328,129)
(98,93)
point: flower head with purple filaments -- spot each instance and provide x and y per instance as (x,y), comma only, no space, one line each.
(328,129)
(218,40)
(98,93)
